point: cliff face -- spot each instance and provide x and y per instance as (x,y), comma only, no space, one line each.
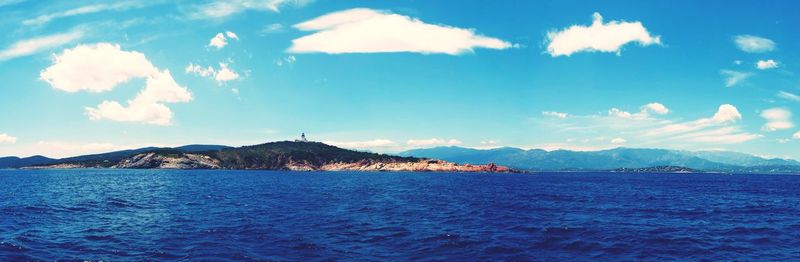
(418,166)
(176,161)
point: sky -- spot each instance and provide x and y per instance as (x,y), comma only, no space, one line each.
(84,77)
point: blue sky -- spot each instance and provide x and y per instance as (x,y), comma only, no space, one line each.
(92,76)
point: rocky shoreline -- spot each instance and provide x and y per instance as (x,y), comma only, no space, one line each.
(152,160)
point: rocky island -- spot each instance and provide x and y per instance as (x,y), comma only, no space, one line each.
(284,155)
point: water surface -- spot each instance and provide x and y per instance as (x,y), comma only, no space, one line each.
(261,215)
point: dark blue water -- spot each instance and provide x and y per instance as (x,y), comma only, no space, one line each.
(248,215)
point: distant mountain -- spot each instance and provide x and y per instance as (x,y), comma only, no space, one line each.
(537,159)
(285,155)
(16,162)
(110,157)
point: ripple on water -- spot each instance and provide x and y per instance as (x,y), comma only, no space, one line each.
(249,215)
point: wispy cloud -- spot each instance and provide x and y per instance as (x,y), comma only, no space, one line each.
(364,30)
(220,9)
(754,44)
(789,96)
(598,37)
(88,9)
(777,119)
(7,139)
(648,128)
(733,78)
(432,142)
(34,45)
(368,144)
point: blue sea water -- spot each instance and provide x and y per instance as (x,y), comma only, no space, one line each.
(260,215)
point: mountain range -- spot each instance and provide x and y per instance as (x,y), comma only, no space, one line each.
(318,156)
(566,160)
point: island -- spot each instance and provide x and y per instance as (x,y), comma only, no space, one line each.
(298,155)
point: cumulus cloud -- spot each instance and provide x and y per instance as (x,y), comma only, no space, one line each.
(101,67)
(599,37)
(221,75)
(766,64)
(35,45)
(644,111)
(754,44)
(88,9)
(789,96)
(618,141)
(555,114)
(364,30)
(432,142)
(7,139)
(733,78)
(796,135)
(777,119)
(220,40)
(657,108)
(218,9)
(225,74)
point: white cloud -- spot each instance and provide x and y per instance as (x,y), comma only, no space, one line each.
(220,40)
(618,141)
(754,44)
(376,143)
(599,37)
(789,96)
(555,114)
(766,64)
(657,108)
(733,78)
(364,30)
(796,135)
(225,74)
(619,113)
(34,45)
(777,119)
(7,139)
(218,9)
(88,9)
(221,75)
(286,61)
(726,113)
(644,111)
(95,68)
(432,142)
(200,71)
(272,28)
(231,35)
(100,67)
(489,142)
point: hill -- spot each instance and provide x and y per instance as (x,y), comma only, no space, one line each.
(565,160)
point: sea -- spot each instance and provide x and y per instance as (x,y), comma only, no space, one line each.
(223,215)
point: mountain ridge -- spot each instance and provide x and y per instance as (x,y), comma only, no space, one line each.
(609,159)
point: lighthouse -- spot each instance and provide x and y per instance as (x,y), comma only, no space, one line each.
(302,138)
